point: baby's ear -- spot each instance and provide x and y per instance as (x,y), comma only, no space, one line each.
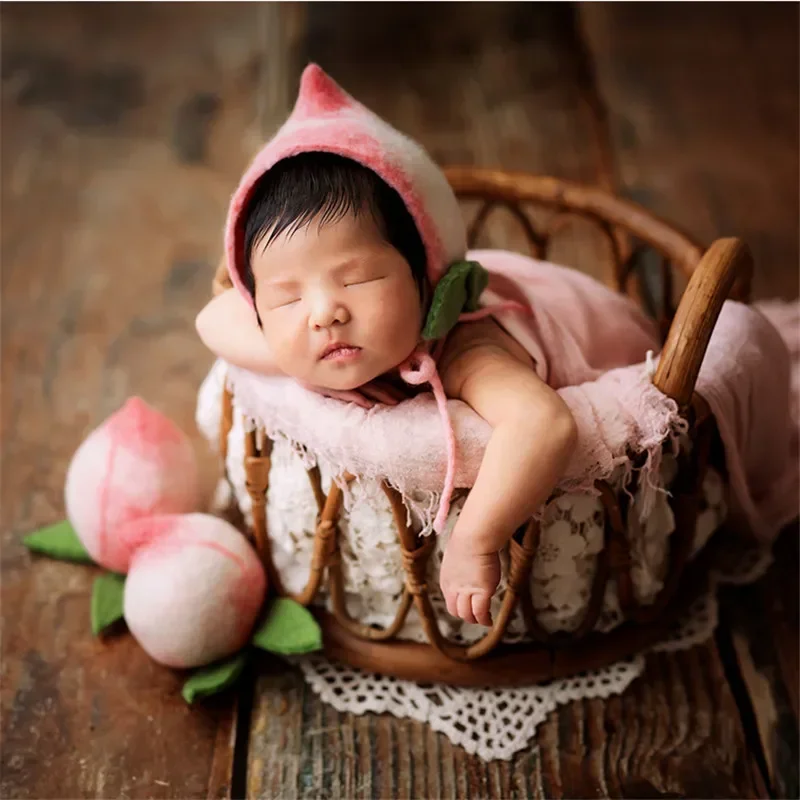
(228,328)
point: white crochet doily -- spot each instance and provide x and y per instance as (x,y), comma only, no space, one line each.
(498,723)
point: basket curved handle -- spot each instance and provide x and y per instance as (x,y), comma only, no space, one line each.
(725,263)
(521,187)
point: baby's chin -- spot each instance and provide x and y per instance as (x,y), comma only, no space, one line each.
(340,379)
(347,380)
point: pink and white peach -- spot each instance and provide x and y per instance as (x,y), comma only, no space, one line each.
(194,591)
(136,464)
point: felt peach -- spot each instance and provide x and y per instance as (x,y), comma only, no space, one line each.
(194,589)
(136,464)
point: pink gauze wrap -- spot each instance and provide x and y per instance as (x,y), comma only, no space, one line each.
(601,376)
(581,336)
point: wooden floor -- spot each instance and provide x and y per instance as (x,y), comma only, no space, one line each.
(124,130)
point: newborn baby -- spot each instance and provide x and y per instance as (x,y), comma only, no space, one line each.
(342,242)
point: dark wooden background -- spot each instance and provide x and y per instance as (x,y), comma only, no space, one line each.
(124,130)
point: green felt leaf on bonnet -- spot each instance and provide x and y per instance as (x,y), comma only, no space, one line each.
(289,629)
(58,541)
(108,592)
(458,291)
(214,678)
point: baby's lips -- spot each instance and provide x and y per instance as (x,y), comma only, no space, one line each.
(333,346)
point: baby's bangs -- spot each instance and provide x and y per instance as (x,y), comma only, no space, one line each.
(314,187)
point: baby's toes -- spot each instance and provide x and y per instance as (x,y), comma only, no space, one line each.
(450,599)
(481,605)
(464,604)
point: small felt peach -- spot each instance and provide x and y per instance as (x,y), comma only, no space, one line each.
(194,589)
(136,464)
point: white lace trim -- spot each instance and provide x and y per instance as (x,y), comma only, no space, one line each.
(492,723)
(372,567)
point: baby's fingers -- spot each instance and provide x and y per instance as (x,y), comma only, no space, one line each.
(346,396)
(481,604)
(464,604)
(450,601)
(353,396)
(379,394)
(383,392)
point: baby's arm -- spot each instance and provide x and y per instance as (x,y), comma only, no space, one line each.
(533,436)
(229,329)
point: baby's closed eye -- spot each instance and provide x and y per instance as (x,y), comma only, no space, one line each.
(283,302)
(281,293)
(359,281)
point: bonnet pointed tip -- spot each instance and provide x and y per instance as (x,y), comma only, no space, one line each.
(319,93)
(312,72)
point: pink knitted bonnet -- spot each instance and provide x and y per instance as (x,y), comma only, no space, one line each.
(327,119)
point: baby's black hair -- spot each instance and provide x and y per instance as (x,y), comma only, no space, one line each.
(326,186)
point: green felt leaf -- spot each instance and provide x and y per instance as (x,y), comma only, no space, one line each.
(108,591)
(214,678)
(477,282)
(459,290)
(289,629)
(58,541)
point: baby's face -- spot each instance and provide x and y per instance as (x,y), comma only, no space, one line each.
(336,286)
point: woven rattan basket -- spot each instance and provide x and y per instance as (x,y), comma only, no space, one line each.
(723,271)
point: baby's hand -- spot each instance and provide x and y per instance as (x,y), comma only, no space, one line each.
(367,396)
(346,396)
(468,580)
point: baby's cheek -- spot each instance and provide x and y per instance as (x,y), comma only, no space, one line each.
(287,349)
(403,335)
(396,323)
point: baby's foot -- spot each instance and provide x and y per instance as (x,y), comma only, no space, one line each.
(468,581)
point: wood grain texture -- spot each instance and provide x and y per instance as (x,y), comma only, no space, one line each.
(761,636)
(704,121)
(599,206)
(124,130)
(725,262)
(674,733)
(108,239)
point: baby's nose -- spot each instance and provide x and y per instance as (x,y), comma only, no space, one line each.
(327,312)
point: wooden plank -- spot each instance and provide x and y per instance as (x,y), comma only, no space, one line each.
(761,640)
(703,115)
(124,129)
(782,601)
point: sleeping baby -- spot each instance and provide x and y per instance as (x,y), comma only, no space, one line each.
(347,253)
